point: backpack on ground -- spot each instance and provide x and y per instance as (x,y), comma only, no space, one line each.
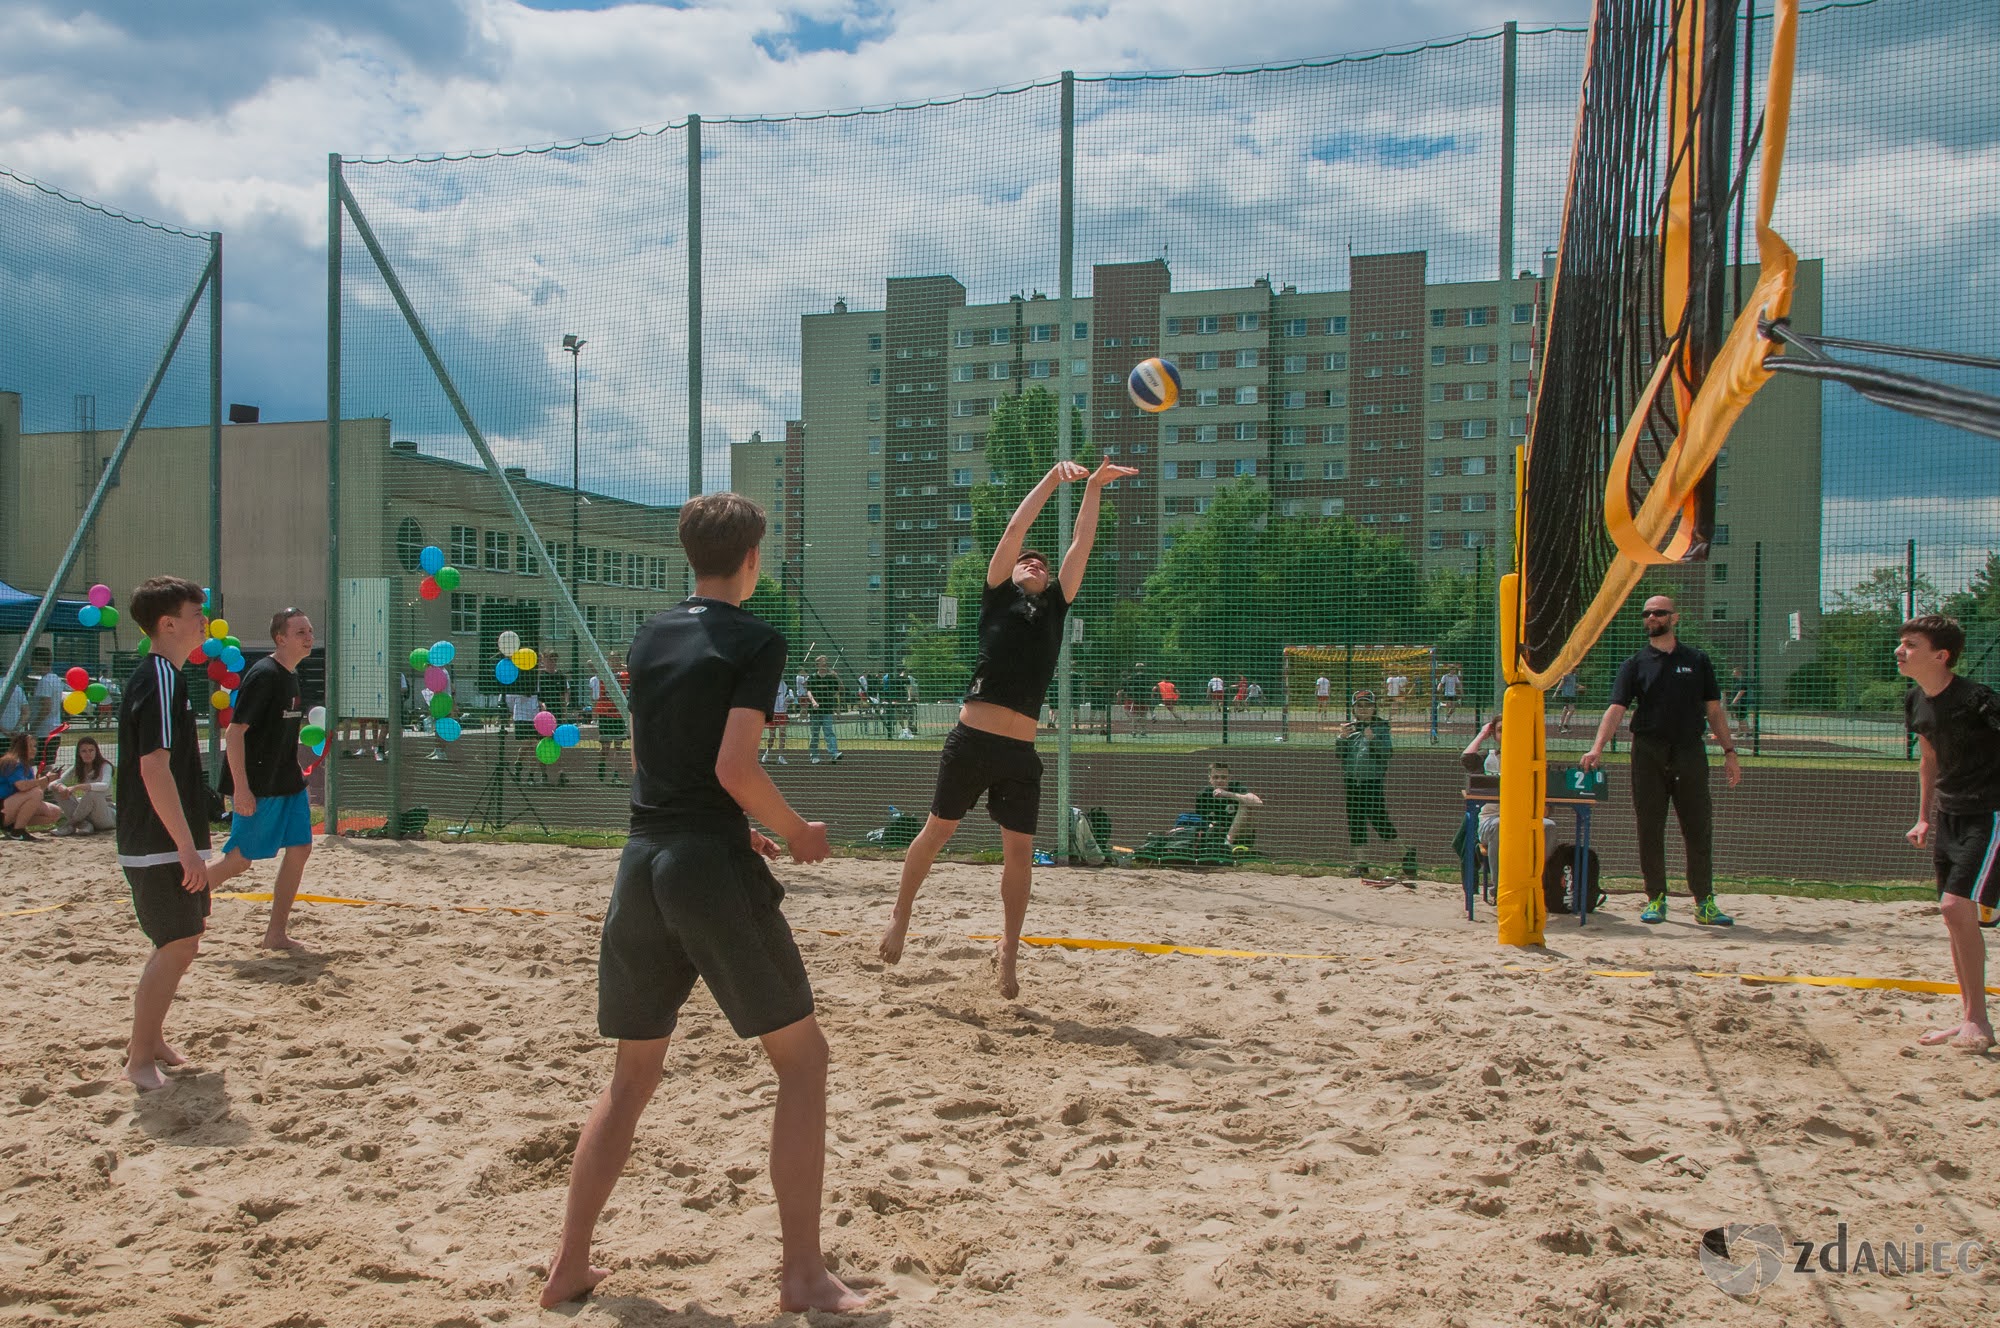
(1556,883)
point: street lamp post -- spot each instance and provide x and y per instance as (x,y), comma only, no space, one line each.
(574,345)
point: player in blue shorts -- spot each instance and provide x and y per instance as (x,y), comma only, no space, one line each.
(1957,723)
(273,812)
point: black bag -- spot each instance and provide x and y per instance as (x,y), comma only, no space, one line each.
(1556,873)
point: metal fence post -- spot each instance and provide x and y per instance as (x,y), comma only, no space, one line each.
(332,626)
(215,459)
(694,305)
(1065,292)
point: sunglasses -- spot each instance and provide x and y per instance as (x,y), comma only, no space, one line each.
(1656,613)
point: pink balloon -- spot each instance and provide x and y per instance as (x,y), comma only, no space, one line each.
(545,724)
(437,679)
(100,595)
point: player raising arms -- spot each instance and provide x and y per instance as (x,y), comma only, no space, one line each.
(992,750)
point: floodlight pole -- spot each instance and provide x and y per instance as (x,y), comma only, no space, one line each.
(331,767)
(1065,293)
(215,460)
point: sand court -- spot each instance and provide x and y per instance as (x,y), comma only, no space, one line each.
(1422,1129)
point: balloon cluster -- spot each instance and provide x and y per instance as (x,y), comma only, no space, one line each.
(438,577)
(515,659)
(98,613)
(224,654)
(313,732)
(555,738)
(431,661)
(82,691)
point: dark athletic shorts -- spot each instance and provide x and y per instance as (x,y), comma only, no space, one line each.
(1006,770)
(166,912)
(689,906)
(1965,849)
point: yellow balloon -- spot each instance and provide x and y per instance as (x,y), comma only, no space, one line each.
(219,628)
(219,699)
(74,702)
(524,658)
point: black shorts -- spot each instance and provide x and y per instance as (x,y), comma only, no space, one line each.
(690,906)
(167,913)
(1965,849)
(1007,770)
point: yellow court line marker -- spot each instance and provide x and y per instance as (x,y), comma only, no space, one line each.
(264,897)
(1802,979)
(30,912)
(1153,947)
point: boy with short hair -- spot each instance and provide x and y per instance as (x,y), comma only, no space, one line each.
(162,815)
(1957,723)
(271,815)
(992,750)
(695,900)
(1227,805)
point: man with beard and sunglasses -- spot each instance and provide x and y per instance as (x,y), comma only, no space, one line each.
(1674,687)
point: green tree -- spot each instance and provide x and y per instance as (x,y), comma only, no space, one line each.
(770,603)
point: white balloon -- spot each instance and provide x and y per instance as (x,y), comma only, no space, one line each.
(509,642)
(317,717)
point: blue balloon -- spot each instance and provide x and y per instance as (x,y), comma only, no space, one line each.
(507,672)
(232,659)
(431,559)
(443,653)
(205,595)
(212,647)
(566,735)
(319,748)
(448,729)
(89,615)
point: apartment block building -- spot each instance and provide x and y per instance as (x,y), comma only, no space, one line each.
(1398,403)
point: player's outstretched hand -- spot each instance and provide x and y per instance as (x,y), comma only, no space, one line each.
(1110,472)
(763,845)
(1068,472)
(809,845)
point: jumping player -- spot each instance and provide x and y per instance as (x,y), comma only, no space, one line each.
(162,815)
(992,751)
(694,899)
(1957,723)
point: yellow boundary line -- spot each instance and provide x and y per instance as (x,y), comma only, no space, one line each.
(1140,947)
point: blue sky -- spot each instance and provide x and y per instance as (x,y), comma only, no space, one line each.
(220,115)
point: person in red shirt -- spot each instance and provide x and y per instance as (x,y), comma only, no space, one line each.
(1242,691)
(1170,698)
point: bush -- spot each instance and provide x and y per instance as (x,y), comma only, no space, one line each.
(1884,697)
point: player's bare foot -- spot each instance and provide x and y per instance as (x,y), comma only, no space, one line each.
(821,1291)
(1006,955)
(1967,1036)
(167,1055)
(281,943)
(566,1284)
(890,949)
(145,1075)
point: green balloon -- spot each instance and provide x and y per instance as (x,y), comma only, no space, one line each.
(440,705)
(97,691)
(311,733)
(107,617)
(232,641)
(547,752)
(447,578)
(420,658)
(145,644)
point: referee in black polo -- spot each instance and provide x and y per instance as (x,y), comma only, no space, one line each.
(1675,690)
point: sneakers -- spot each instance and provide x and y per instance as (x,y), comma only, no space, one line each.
(836,758)
(906,736)
(1709,914)
(763,758)
(1655,910)
(815,758)
(782,760)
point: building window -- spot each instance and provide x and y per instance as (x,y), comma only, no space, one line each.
(1336,326)
(1000,336)
(496,551)
(1521,352)
(1201,505)
(1434,430)
(1333,470)
(1248,322)
(1438,355)
(874,341)
(1081,400)
(1081,332)
(1720,572)
(964,337)
(1517,427)
(1435,540)
(874,580)
(1291,507)
(1437,318)
(1244,432)
(1295,470)
(999,370)
(1208,359)
(1208,470)
(1474,539)
(1334,435)
(1291,400)
(1173,327)
(559,558)
(961,476)
(1434,503)
(1721,536)
(1112,413)
(1170,470)
(409,544)
(902,491)
(1042,332)
(1437,466)
(656,574)
(1247,357)
(964,373)
(1721,494)
(1246,466)
(1473,466)
(1477,317)
(1472,429)
(1292,435)
(1041,368)
(1478,391)
(1472,502)
(1208,323)
(587,559)
(1205,433)
(1246,395)
(1208,396)
(961,511)
(1523,313)
(1170,433)
(1479,355)
(1295,364)
(464,614)
(464,546)
(1295,327)
(1336,361)
(874,511)
(875,376)
(1332,506)
(525,561)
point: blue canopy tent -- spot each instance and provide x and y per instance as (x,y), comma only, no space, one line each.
(78,644)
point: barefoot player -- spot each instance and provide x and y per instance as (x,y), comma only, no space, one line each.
(162,815)
(1957,723)
(272,816)
(992,751)
(694,899)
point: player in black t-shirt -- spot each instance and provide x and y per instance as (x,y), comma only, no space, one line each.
(162,815)
(992,750)
(1957,723)
(272,813)
(695,900)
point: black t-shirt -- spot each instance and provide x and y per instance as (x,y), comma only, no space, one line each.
(1671,689)
(156,715)
(270,706)
(1218,810)
(1020,638)
(691,665)
(1962,724)
(826,689)
(552,690)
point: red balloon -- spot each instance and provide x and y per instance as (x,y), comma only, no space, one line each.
(217,670)
(428,588)
(222,716)
(78,678)
(231,681)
